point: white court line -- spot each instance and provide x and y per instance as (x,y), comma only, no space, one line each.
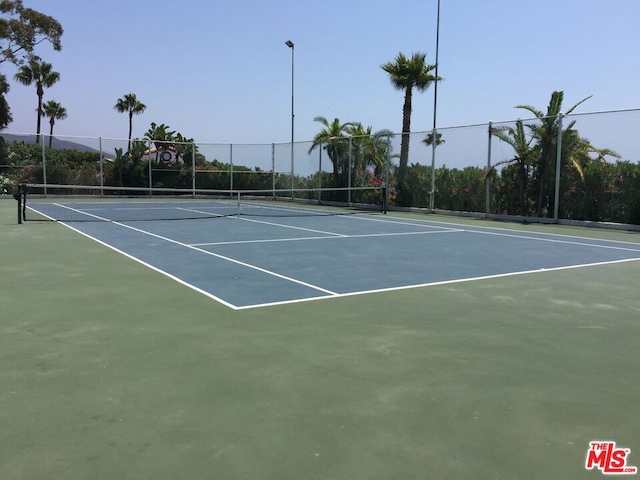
(222,257)
(431,223)
(400,221)
(267,223)
(555,240)
(209,214)
(155,269)
(290,226)
(364,292)
(443,282)
(296,239)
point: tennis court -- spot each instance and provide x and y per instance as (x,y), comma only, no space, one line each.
(259,254)
(358,345)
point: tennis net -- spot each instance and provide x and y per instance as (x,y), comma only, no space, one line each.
(70,203)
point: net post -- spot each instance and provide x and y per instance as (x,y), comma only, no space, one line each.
(239,208)
(18,197)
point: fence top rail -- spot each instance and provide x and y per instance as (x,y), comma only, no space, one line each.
(264,144)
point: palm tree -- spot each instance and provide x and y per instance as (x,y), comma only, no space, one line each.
(405,75)
(119,164)
(523,158)
(369,150)
(54,111)
(359,136)
(332,138)
(138,149)
(161,137)
(42,75)
(185,147)
(130,104)
(576,151)
(428,140)
(376,152)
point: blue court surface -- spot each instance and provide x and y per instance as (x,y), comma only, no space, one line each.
(246,262)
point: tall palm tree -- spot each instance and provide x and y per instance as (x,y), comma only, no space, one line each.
(406,74)
(332,138)
(54,111)
(42,75)
(131,105)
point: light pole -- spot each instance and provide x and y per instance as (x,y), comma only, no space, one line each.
(290,44)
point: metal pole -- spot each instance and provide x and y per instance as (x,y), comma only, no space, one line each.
(556,203)
(291,45)
(432,192)
(44,164)
(487,183)
(193,167)
(350,162)
(387,173)
(150,174)
(435,112)
(320,173)
(231,166)
(101,167)
(273,169)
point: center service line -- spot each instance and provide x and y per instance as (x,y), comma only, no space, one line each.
(222,257)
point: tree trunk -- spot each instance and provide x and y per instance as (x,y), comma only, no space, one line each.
(403,193)
(130,130)
(406,130)
(51,122)
(40,92)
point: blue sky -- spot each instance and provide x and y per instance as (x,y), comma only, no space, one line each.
(220,71)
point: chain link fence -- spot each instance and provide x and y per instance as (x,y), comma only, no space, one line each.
(577,167)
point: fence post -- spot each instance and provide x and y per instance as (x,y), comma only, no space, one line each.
(44,164)
(387,173)
(273,169)
(150,174)
(292,158)
(231,166)
(193,167)
(320,174)
(556,203)
(101,167)
(487,182)
(350,169)
(432,193)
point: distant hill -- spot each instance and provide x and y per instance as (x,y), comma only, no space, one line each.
(57,144)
